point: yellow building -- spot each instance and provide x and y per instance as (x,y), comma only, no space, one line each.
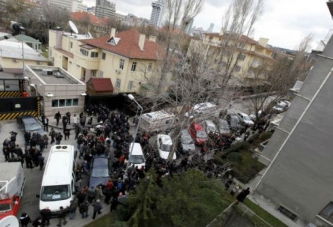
(240,52)
(127,57)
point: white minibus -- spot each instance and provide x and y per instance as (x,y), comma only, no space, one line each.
(59,178)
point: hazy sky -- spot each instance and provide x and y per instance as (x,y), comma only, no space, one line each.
(284,22)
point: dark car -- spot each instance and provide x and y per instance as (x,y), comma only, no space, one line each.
(186,143)
(100,171)
(29,123)
(234,122)
(223,126)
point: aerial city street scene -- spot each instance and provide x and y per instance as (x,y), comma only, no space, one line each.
(166,113)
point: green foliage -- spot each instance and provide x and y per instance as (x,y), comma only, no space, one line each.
(265,136)
(237,147)
(188,199)
(235,157)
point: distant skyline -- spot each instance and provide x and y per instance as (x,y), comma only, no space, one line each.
(285,23)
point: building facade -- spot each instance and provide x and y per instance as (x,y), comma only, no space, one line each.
(105,8)
(70,5)
(59,89)
(157,13)
(299,156)
(128,58)
(240,51)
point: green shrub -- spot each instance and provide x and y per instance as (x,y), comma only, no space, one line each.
(236,148)
(265,136)
(235,157)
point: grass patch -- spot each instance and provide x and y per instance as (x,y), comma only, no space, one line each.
(44,52)
(273,221)
(106,220)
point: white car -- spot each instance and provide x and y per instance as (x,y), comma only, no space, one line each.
(281,106)
(245,119)
(210,127)
(164,146)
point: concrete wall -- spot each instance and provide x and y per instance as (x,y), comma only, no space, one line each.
(11,66)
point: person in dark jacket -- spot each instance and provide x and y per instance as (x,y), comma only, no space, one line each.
(58,138)
(62,216)
(46,215)
(37,222)
(84,207)
(53,135)
(72,208)
(242,195)
(24,219)
(97,208)
(57,116)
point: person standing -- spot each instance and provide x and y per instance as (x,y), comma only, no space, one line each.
(68,114)
(72,208)
(74,120)
(24,219)
(41,161)
(46,216)
(28,160)
(57,116)
(62,216)
(91,194)
(46,124)
(53,135)
(84,207)
(58,138)
(27,137)
(67,132)
(97,208)
(242,195)
(5,152)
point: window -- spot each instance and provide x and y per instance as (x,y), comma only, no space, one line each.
(133,66)
(130,85)
(94,54)
(150,66)
(101,74)
(327,212)
(121,64)
(118,83)
(287,213)
(38,62)
(84,52)
(241,57)
(104,56)
(65,102)
(241,45)
(237,68)
(71,44)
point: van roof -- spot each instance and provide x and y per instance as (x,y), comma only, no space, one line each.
(157,115)
(204,105)
(137,149)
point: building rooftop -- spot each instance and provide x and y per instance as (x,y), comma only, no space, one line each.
(54,75)
(26,39)
(128,45)
(12,48)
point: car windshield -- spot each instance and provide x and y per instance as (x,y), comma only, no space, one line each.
(246,117)
(187,140)
(201,134)
(100,172)
(55,192)
(166,147)
(5,207)
(136,159)
(211,128)
(32,126)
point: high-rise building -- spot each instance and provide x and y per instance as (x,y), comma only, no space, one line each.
(156,17)
(70,5)
(211,27)
(188,28)
(105,8)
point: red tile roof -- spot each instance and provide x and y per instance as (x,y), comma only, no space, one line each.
(101,84)
(82,16)
(128,45)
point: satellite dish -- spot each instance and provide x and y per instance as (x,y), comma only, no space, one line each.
(9,221)
(73,27)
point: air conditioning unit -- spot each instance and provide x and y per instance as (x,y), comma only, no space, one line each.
(47,72)
(118,71)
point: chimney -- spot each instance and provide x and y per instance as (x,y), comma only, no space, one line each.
(263,41)
(113,32)
(142,41)
(152,38)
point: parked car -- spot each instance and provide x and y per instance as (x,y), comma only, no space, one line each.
(136,156)
(223,127)
(164,145)
(198,134)
(253,116)
(29,123)
(281,106)
(234,122)
(100,171)
(210,127)
(186,143)
(245,119)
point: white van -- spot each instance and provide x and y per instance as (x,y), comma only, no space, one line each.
(136,156)
(157,121)
(202,111)
(59,178)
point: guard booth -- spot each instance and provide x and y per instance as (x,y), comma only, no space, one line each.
(14,100)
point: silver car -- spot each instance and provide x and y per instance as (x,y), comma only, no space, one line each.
(187,143)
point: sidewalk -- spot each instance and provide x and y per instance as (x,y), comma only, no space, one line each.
(53,122)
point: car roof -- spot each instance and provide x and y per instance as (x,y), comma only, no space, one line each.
(166,139)
(100,162)
(185,132)
(137,149)
(197,126)
(243,114)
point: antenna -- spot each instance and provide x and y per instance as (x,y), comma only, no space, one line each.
(73,27)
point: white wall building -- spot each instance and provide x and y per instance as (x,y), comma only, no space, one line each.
(70,5)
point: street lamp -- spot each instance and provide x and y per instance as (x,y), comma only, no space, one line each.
(131,97)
